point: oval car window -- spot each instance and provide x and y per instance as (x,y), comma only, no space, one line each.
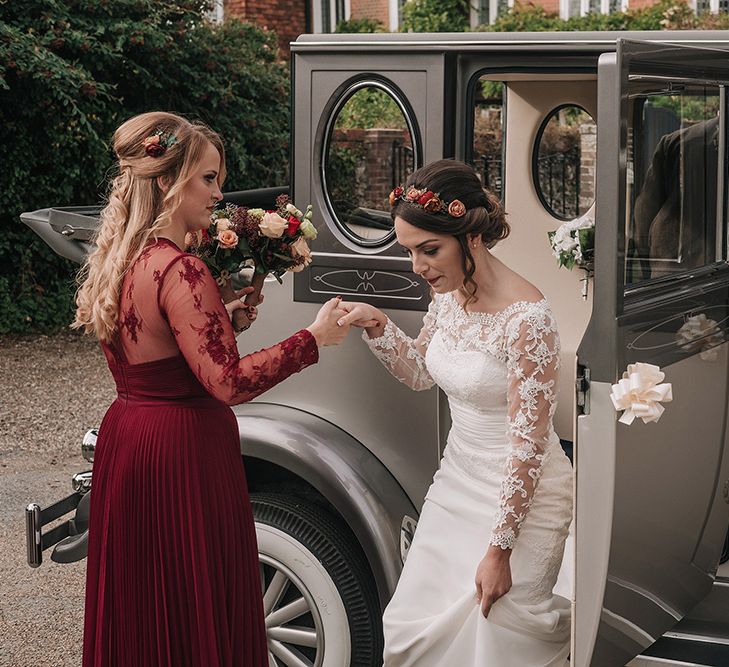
(369,152)
(564,162)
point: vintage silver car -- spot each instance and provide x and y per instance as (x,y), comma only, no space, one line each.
(339,458)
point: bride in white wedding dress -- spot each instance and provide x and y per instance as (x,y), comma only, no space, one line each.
(477,587)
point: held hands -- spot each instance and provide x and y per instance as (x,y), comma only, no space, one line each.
(325,329)
(363,315)
(242,315)
(493,577)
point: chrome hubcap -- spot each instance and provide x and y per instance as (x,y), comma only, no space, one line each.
(293,623)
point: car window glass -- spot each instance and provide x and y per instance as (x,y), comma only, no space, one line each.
(564,162)
(369,152)
(673,181)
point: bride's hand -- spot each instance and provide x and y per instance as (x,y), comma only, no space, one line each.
(493,577)
(363,315)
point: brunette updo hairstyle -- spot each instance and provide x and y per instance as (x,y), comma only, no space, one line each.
(485,216)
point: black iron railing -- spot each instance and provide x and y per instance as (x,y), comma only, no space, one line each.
(559,181)
(403,162)
(491,170)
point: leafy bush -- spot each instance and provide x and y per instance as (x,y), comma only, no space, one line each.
(363,25)
(664,15)
(71,71)
(435,16)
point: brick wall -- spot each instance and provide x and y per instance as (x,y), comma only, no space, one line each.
(287,19)
(371,9)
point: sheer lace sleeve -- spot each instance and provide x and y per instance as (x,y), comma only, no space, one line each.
(190,300)
(532,360)
(403,356)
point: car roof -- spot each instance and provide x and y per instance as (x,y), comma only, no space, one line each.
(554,42)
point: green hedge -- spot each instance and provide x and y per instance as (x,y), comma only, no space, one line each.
(453,16)
(71,71)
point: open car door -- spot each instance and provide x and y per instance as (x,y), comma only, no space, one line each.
(651,504)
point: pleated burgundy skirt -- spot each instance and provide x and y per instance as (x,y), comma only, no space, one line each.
(172,573)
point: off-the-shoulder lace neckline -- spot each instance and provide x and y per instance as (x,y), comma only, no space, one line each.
(504,312)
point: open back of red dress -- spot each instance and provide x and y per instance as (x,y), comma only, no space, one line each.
(172,573)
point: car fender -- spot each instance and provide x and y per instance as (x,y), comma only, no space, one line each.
(350,477)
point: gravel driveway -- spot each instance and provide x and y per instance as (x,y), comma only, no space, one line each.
(52,389)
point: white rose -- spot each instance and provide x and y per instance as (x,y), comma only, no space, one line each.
(221,224)
(290,208)
(273,225)
(308,229)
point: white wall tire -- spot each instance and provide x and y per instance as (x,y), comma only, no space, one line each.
(320,603)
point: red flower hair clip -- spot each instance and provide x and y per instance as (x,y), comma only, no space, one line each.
(156,144)
(428,201)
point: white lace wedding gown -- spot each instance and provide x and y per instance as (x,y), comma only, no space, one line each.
(503,480)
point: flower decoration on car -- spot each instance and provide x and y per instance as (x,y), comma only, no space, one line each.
(428,201)
(156,144)
(573,245)
(640,392)
(700,334)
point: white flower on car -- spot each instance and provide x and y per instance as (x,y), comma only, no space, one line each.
(701,333)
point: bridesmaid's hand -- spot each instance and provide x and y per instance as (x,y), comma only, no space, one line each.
(241,314)
(325,329)
(363,315)
(493,577)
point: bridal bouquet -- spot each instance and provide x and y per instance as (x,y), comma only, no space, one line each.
(275,241)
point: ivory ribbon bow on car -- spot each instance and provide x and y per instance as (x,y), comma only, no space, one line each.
(640,393)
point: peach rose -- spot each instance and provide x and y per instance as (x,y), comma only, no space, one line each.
(432,205)
(151,140)
(273,225)
(301,248)
(228,239)
(221,224)
(456,209)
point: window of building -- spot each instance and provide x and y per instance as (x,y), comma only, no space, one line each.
(327,13)
(487,11)
(217,12)
(571,8)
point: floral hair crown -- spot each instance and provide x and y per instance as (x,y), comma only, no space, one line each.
(428,201)
(158,142)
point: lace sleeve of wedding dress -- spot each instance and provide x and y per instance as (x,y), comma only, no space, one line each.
(403,356)
(190,300)
(532,360)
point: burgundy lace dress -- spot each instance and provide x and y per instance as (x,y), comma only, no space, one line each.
(172,574)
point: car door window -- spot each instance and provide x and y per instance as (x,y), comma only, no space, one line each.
(674,191)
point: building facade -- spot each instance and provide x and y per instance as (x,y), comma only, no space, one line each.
(291,18)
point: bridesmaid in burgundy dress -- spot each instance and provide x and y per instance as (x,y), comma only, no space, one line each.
(172,574)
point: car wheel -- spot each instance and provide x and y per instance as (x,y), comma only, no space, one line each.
(319,598)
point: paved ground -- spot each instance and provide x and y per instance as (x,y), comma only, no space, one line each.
(51,390)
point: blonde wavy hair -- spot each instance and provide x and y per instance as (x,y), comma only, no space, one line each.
(137,210)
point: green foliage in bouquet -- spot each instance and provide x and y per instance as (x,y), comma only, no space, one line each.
(71,71)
